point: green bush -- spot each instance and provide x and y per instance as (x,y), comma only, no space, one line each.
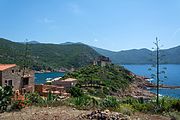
(6,94)
(167,104)
(176,105)
(99,93)
(145,107)
(125,109)
(109,102)
(106,90)
(17,105)
(174,115)
(75,92)
(129,100)
(36,99)
(82,102)
(33,98)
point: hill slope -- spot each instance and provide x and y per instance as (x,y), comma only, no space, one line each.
(141,56)
(46,55)
(112,80)
(101,81)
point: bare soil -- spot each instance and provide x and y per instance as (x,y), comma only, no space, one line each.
(63,113)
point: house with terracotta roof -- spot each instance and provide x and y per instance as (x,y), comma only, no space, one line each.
(22,81)
(67,83)
(43,90)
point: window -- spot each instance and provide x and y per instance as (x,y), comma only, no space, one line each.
(10,82)
(5,82)
(12,71)
(25,81)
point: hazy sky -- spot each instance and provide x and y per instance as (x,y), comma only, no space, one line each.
(110,24)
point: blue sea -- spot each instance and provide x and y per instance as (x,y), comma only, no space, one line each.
(40,78)
(172,72)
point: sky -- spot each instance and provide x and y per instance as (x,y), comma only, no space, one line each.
(110,24)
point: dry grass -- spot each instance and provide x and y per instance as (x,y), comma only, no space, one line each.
(62,113)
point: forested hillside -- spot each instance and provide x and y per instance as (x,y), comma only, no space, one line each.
(46,55)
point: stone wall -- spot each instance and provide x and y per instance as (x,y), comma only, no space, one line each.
(16,74)
(65,84)
(12,74)
(30,74)
(0,78)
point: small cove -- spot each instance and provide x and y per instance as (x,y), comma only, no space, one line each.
(173,77)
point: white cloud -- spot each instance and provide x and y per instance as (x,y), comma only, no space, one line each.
(75,8)
(96,40)
(45,20)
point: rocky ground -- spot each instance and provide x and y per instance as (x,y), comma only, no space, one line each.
(68,113)
(138,89)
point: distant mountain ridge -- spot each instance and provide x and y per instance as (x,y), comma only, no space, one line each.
(71,54)
(34,42)
(41,55)
(29,42)
(141,56)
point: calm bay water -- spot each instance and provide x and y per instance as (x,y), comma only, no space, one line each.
(40,78)
(172,72)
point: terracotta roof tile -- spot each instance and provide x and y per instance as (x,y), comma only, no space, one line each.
(6,66)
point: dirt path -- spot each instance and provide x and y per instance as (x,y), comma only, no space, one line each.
(62,113)
(38,113)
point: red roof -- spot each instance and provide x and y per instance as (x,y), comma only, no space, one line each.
(6,66)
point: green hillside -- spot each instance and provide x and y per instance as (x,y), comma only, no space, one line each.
(46,55)
(101,81)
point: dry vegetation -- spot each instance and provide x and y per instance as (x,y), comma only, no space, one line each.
(62,113)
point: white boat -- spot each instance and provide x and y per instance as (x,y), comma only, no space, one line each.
(48,79)
(150,80)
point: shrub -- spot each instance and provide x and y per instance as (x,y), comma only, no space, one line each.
(174,115)
(125,109)
(176,106)
(6,94)
(129,100)
(34,98)
(168,104)
(145,107)
(106,90)
(99,93)
(75,92)
(109,102)
(82,102)
(17,105)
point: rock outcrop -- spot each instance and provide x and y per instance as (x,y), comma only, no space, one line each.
(103,115)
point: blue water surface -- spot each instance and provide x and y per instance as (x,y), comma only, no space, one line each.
(40,78)
(172,72)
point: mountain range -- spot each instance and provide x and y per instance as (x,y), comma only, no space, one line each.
(68,55)
(142,56)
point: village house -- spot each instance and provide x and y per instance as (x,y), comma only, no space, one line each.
(43,90)
(102,61)
(22,81)
(67,83)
